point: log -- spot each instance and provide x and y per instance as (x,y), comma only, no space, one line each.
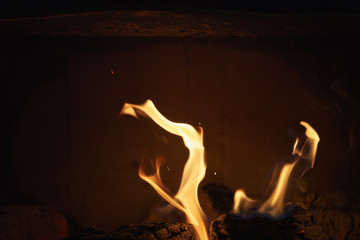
(338,212)
(296,224)
(147,231)
(321,216)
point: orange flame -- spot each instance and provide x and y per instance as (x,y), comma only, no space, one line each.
(241,202)
(186,199)
(304,159)
(274,206)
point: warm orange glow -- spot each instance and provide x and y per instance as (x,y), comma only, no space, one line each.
(304,159)
(186,199)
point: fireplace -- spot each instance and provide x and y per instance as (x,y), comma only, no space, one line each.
(246,78)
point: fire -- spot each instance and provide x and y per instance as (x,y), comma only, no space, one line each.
(304,159)
(186,199)
(241,201)
(274,206)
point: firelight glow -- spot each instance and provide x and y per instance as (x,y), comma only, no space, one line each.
(186,199)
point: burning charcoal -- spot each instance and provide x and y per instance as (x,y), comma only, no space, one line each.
(296,224)
(149,231)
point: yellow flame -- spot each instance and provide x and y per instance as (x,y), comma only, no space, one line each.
(241,201)
(186,199)
(304,159)
(156,183)
(295,146)
(308,151)
(274,206)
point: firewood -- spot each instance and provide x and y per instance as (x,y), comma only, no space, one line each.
(295,224)
(147,231)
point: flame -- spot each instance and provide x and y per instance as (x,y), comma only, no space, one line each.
(241,201)
(186,199)
(274,206)
(308,151)
(304,159)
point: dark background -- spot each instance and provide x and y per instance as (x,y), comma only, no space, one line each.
(31,8)
(64,145)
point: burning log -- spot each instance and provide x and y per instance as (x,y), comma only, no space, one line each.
(149,231)
(296,224)
(337,213)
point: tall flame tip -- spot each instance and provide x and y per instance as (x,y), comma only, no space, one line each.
(128,110)
(310,131)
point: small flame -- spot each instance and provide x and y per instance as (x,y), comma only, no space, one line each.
(304,159)
(308,151)
(241,202)
(186,199)
(274,206)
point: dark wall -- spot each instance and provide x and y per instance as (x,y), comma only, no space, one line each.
(23,8)
(65,145)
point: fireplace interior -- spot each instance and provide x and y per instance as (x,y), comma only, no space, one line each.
(247,75)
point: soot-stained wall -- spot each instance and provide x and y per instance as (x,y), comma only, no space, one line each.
(68,148)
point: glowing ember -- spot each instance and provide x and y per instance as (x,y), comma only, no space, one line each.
(186,199)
